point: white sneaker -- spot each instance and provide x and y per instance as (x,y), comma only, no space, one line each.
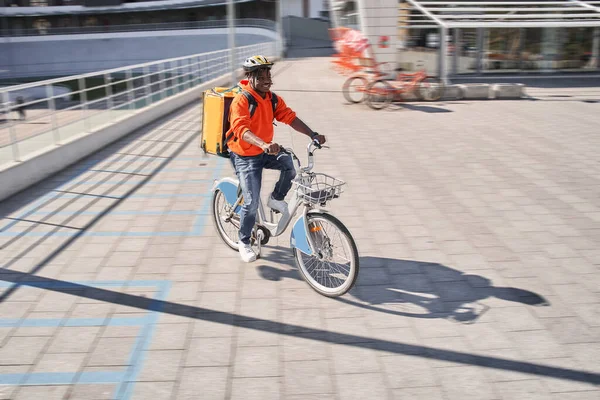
(246,252)
(277,205)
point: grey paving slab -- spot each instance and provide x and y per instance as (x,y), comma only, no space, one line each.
(465,383)
(257,333)
(93,391)
(477,230)
(256,388)
(54,392)
(22,350)
(154,390)
(161,365)
(307,378)
(256,362)
(210,383)
(360,386)
(209,352)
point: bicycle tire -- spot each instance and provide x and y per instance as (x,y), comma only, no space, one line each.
(376,100)
(348,85)
(326,268)
(232,242)
(430,89)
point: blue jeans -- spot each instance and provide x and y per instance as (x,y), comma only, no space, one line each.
(249,171)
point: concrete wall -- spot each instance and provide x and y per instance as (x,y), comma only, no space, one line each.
(63,55)
(380,18)
(18,176)
(316,6)
(295,27)
(292,7)
(295,8)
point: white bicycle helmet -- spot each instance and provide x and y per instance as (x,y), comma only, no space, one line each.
(255,62)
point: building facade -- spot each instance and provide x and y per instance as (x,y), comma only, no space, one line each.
(472,37)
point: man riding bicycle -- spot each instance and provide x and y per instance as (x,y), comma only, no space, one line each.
(252,148)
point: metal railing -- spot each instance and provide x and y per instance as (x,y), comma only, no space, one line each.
(59,109)
(163,26)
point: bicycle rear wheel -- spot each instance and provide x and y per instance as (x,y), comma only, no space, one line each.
(354,89)
(379,94)
(333,270)
(228,228)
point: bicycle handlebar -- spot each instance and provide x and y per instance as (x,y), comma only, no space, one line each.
(317,144)
(314,144)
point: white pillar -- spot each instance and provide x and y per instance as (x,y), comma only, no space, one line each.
(364,28)
(443,55)
(595,61)
(333,17)
(278,29)
(480,50)
(457,50)
(521,47)
(231,25)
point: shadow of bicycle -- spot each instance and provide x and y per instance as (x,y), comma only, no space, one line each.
(413,289)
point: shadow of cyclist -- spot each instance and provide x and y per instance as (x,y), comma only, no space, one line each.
(413,289)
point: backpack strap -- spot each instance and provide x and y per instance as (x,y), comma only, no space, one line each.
(252,104)
(274,101)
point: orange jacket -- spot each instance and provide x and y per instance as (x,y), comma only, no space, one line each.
(261,123)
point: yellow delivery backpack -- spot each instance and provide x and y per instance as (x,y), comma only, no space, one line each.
(215,117)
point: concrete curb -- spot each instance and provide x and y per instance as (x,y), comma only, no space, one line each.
(485,91)
(480,91)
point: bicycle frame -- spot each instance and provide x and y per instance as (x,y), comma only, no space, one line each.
(404,83)
(276,229)
(299,236)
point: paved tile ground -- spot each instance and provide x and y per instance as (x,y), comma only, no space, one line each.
(477,223)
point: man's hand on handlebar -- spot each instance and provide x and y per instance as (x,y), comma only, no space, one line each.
(318,138)
(272,148)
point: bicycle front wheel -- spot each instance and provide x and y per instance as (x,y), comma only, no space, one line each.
(228,227)
(430,89)
(333,270)
(379,94)
(354,89)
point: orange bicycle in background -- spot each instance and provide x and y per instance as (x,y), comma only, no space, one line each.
(354,88)
(379,93)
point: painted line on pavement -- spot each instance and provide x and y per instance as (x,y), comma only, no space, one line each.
(125,380)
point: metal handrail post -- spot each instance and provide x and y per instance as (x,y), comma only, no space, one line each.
(52,104)
(161,76)
(180,77)
(173,77)
(108,92)
(198,71)
(147,84)
(83,100)
(11,129)
(129,77)
(190,74)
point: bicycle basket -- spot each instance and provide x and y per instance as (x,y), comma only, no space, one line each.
(317,188)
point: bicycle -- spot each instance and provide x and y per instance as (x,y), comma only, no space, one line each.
(380,93)
(314,234)
(354,88)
